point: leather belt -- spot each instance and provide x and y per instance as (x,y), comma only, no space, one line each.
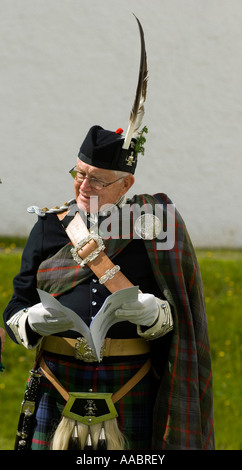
(79,349)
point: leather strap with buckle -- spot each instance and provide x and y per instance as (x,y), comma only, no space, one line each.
(100,263)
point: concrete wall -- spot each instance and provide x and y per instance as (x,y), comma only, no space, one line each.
(66,65)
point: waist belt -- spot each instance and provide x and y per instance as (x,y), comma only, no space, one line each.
(79,348)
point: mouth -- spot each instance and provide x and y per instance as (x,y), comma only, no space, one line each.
(84,196)
(87,202)
(83,202)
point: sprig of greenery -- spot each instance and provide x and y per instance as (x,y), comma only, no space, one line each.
(140,141)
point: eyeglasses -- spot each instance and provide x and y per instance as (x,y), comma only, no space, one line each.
(94,182)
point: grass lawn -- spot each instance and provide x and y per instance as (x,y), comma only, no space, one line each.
(222,273)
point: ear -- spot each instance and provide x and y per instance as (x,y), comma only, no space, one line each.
(128,181)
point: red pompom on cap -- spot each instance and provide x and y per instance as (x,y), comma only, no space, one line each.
(119,131)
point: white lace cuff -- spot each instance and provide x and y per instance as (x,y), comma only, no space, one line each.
(17,324)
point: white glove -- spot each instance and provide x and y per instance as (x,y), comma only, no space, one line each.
(48,322)
(142,312)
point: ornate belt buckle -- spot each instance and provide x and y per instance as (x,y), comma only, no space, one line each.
(93,255)
(90,408)
(84,352)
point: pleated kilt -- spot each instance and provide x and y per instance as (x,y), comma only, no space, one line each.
(134,410)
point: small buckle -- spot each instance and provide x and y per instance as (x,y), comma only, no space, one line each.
(93,255)
(84,352)
(109,274)
(90,408)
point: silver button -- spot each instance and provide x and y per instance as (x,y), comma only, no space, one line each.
(94,303)
(94,280)
(94,290)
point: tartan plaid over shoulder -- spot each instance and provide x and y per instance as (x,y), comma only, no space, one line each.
(183,414)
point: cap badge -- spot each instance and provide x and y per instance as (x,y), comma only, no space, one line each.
(130,160)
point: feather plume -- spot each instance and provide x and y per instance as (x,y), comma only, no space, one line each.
(137,112)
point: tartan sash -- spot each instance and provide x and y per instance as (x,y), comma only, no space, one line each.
(60,273)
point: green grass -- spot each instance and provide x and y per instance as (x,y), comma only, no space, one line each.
(221,272)
(17,360)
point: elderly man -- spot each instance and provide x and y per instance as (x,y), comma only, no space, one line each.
(158,345)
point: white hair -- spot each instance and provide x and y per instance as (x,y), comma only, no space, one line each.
(116,173)
(119,174)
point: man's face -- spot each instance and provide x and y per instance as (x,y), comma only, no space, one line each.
(107,195)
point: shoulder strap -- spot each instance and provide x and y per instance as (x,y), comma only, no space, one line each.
(101,265)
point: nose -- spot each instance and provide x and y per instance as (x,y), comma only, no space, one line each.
(85,184)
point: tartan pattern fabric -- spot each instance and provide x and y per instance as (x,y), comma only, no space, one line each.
(183,412)
(134,410)
(60,273)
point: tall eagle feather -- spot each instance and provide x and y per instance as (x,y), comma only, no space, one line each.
(137,112)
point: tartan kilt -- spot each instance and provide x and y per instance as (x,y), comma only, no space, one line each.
(134,410)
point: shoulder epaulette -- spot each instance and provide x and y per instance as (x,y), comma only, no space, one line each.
(54,210)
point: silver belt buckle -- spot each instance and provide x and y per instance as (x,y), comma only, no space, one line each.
(84,352)
(93,255)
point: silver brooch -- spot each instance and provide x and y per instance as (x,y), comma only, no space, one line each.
(147,226)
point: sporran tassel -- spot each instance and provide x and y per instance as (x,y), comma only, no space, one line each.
(74,443)
(89,445)
(102,443)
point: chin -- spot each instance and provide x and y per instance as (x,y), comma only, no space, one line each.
(85,207)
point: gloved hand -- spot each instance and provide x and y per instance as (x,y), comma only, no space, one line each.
(48,322)
(142,312)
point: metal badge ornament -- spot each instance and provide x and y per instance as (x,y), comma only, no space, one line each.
(148,226)
(84,352)
(90,408)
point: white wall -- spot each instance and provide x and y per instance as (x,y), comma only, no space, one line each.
(66,65)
